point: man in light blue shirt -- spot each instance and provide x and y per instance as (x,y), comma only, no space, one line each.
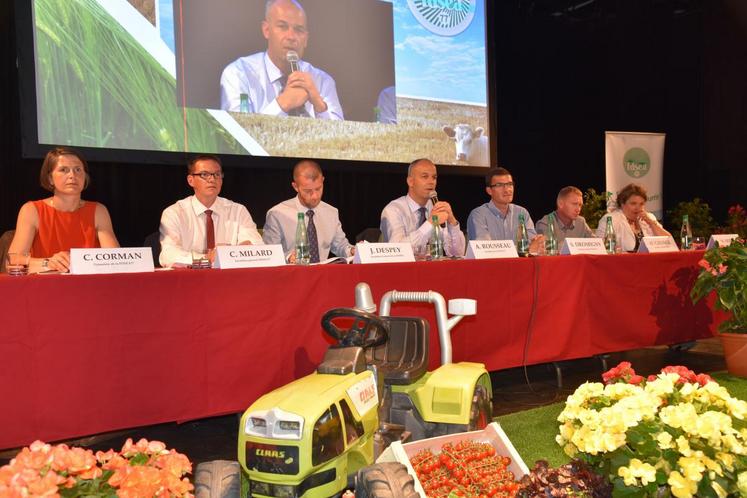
(266,79)
(409,218)
(282,219)
(499,218)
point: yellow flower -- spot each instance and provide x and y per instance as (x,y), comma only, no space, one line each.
(681,487)
(726,459)
(664,439)
(742,483)
(682,416)
(627,474)
(721,492)
(683,446)
(711,425)
(692,468)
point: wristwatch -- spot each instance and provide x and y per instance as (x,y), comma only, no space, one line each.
(45,263)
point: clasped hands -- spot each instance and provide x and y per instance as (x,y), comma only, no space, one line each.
(299,89)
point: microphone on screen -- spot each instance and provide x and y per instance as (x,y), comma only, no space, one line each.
(434,196)
(292,57)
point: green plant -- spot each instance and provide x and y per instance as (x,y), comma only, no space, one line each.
(699,214)
(595,206)
(736,221)
(724,271)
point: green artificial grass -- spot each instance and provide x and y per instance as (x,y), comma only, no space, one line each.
(533,432)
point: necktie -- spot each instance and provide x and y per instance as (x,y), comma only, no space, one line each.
(296,111)
(421,220)
(311,235)
(209,229)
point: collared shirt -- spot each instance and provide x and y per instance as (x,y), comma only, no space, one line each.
(486,222)
(257,77)
(575,229)
(623,233)
(183,228)
(282,219)
(399,223)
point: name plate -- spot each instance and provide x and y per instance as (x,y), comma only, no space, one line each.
(248,256)
(723,239)
(660,243)
(111,260)
(383,252)
(580,245)
(491,249)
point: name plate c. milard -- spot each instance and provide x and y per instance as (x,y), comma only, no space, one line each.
(383,252)
(111,260)
(659,243)
(580,245)
(491,249)
(249,256)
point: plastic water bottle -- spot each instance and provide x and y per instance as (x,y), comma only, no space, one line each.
(244,103)
(522,238)
(302,242)
(436,243)
(610,240)
(686,234)
(551,240)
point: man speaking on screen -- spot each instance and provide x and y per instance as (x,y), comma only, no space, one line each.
(278,82)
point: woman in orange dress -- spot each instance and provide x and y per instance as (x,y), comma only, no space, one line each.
(49,228)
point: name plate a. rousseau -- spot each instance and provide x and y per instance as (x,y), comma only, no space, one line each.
(111,260)
(383,252)
(491,249)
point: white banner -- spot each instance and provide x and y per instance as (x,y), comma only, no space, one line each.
(633,157)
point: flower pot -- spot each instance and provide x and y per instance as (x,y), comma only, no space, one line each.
(735,353)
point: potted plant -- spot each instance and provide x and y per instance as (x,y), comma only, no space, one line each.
(723,270)
(699,214)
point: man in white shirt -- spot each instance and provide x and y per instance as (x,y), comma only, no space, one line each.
(322,220)
(266,80)
(203,221)
(409,218)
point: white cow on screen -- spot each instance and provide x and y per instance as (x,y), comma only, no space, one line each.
(471,144)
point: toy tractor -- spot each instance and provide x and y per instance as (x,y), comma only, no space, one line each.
(309,438)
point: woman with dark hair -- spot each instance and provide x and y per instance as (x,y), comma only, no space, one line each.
(49,228)
(630,220)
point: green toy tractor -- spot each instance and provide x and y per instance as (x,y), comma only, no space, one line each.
(309,438)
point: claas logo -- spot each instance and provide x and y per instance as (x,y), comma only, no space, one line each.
(269,453)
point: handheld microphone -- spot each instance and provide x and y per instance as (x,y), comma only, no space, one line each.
(292,57)
(434,196)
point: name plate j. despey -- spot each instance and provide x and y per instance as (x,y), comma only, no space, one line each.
(659,243)
(580,245)
(491,249)
(249,256)
(111,260)
(723,239)
(383,252)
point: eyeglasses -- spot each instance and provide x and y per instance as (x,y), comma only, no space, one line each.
(503,185)
(206,175)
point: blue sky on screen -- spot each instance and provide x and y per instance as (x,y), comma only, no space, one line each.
(440,67)
(165,21)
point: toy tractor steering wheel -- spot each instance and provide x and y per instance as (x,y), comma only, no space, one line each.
(368,330)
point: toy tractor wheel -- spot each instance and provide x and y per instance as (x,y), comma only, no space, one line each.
(218,479)
(385,480)
(481,412)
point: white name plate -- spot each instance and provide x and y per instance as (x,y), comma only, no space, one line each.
(111,260)
(491,249)
(248,256)
(383,252)
(580,245)
(723,239)
(659,243)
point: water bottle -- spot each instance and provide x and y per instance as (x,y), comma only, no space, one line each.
(436,243)
(522,238)
(686,234)
(302,242)
(244,103)
(610,240)
(551,240)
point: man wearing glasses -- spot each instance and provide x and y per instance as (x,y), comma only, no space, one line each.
(200,222)
(499,218)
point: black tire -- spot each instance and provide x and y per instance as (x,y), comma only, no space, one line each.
(481,411)
(385,480)
(218,479)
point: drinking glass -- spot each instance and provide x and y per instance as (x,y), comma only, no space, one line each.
(699,243)
(199,260)
(17,263)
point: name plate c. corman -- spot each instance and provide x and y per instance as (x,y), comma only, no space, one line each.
(491,249)
(580,245)
(383,252)
(723,239)
(248,256)
(111,260)
(659,243)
